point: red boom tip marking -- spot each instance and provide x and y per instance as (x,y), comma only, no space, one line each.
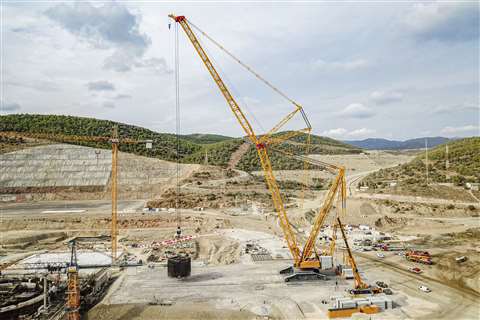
(179,18)
(260,146)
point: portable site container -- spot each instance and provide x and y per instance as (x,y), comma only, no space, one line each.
(326,262)
(382,302)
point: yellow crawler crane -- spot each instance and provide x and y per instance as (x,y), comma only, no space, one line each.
(360,286)
(306,264)
(115,141)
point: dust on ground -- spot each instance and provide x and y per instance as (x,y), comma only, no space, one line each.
(216,250)
(190,310)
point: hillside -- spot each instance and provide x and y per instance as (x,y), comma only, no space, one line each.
(385,144)
(164,144)
(319,145)
(464,166)
(219,153)
(193,147)
(205,138)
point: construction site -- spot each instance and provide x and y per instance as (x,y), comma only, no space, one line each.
(93,231)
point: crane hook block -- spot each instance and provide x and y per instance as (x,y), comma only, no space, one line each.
(179,18)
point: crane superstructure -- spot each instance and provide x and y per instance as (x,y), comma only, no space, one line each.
(306,264)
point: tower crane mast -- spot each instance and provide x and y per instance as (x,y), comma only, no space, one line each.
(115,141)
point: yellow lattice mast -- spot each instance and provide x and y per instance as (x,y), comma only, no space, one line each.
(302,258)
(260,143)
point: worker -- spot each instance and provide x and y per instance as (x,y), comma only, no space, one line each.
(179,232)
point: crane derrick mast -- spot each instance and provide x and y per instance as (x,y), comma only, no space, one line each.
(360,287)
(302,259)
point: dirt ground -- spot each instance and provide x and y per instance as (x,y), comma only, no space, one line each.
(226,283)
(138,311)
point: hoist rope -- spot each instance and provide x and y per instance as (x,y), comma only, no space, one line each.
(177,127)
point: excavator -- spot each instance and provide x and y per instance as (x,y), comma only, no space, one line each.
(306,262)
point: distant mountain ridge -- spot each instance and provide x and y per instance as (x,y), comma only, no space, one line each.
(385,144)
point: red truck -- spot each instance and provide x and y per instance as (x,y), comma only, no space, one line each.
(419,256)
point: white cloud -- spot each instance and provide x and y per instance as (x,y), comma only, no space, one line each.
(101,85)
(344,133)
(157,64)
(335,132)
(444,21)
(108,104)
(37,84)
(9,106)
(357,110)
(461,129)
(386,97)
(122,96)
(339,65)
(111,26)
(462,107)
(363,132)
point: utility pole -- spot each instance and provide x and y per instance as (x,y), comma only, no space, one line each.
(114,193)
(426,158)
(447,164)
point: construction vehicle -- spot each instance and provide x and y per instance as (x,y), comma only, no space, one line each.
(360,286)
(425,289)
(73,282)
(419,256)
(388,247)
(415,270)
(306,262)
(115,141)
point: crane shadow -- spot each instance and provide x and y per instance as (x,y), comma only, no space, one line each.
(203,277)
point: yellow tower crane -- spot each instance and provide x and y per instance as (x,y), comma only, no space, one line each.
(115,142)
(305,266)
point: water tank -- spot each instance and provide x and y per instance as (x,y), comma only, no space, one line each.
(179,266)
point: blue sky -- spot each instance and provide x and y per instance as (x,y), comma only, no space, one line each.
(378,69)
